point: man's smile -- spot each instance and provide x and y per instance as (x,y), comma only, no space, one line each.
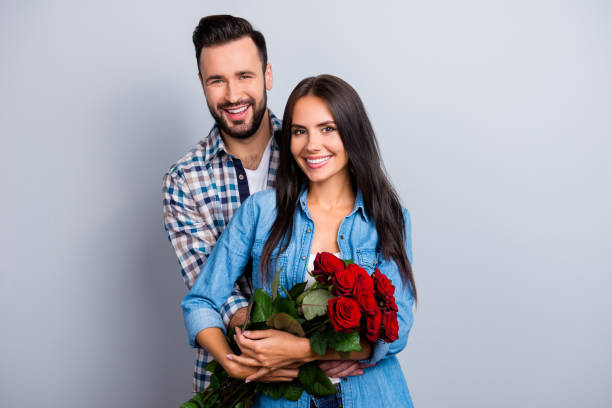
(237,113)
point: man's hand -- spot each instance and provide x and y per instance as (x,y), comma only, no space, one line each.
(238,318)
(343,368)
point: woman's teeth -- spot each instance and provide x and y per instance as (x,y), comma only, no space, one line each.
(317,161)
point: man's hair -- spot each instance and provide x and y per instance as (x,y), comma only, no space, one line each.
(223,28)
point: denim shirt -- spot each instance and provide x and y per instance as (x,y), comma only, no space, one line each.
(245,237)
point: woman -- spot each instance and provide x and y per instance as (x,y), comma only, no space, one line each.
(332,196)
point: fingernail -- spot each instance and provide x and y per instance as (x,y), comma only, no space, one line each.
(229,357)
(247,381)
(247,333)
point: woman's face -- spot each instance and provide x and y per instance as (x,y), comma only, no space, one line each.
(316,145)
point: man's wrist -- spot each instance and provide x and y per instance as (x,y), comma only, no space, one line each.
(238,318)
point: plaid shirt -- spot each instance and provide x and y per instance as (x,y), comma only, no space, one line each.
(200,194)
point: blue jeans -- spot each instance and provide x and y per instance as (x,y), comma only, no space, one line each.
(330,401)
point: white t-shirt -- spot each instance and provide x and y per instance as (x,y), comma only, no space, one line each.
(258,178)
(310,281)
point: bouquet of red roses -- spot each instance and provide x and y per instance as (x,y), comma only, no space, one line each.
(343,305)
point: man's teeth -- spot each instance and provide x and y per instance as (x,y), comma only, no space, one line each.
(317,161)
(239,110)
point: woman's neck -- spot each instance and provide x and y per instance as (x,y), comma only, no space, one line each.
(334,192)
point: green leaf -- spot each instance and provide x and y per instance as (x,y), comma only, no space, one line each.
(198,399)
(211,366)
(284,321)
(293,392)
(348,262)
(280,305)
(214,382)
(274,390)
(344,342)
(190,404)
(276,283)
(297,290)
(240,404)
(318,343)
(315,381)
(262,307)
(315,303)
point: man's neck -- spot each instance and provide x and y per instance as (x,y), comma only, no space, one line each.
(250,150)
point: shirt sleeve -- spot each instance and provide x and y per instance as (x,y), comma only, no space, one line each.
(193,236)
(225,265)
(404,299)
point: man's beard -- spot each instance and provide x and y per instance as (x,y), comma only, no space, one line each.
(258,114)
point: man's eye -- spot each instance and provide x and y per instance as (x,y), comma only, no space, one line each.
(245,76)
(214,82)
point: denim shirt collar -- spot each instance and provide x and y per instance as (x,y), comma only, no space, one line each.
(359,206)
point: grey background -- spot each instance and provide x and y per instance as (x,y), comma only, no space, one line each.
(495,123)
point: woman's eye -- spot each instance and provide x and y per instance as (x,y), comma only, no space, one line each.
(297,132)
(327,129)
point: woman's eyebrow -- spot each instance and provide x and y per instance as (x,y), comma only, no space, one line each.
(327,122)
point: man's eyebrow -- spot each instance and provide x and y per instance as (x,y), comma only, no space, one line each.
(213,77)
(244,72)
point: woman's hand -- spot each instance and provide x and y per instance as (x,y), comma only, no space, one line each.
(270,350)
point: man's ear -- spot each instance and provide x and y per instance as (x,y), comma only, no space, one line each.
(268,77)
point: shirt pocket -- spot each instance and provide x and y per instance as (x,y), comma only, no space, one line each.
(368,259)
(278,264)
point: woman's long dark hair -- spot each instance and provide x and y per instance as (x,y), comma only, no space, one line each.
(367,173)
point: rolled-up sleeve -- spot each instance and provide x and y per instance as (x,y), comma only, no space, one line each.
(201,307)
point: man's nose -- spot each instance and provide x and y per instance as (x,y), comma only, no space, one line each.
(232,92)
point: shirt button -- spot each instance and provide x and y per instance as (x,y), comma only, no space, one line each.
(341,236)
(308,230)
(303,258)
(241,176)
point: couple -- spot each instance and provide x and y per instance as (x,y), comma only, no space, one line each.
(329,194)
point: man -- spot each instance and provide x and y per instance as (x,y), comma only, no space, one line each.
(238,157)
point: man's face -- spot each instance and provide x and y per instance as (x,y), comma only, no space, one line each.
(235,86)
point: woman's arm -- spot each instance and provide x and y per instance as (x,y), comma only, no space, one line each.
(271,349)
(213,340)
(403,298)
(216,279)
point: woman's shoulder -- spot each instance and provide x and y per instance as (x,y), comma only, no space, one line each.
(261,206)
(264,198)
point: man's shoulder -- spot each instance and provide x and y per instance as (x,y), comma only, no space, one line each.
(197,159)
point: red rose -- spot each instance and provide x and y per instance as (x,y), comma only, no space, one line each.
(390,304)
(373,326)
(325,267)
(365,283)
(389,328)
(344,281)
(344,314)
(367,302)
(382,285)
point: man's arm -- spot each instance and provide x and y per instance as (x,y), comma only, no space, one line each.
(192,235)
